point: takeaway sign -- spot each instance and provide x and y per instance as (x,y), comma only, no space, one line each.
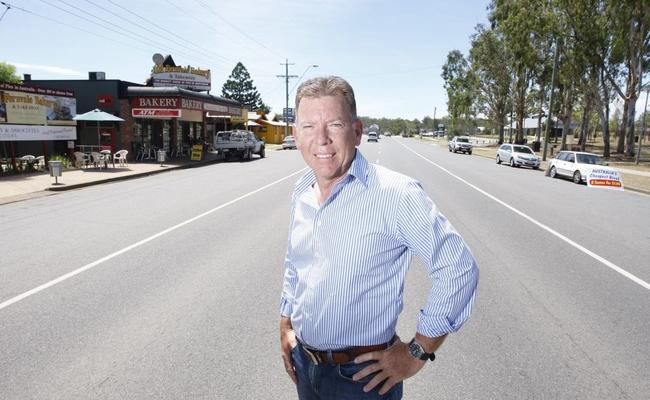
(607,178)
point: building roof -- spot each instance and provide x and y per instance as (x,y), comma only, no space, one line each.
(176,91)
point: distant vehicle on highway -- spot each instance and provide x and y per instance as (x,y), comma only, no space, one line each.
(517,156)
(460,143)
(373,137)
(576,165)
(387,133)
(289,142)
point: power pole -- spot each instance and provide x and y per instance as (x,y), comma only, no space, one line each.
(286,77)
(435,126)
(558,45)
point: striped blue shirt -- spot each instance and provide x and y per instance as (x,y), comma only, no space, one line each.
(347,258)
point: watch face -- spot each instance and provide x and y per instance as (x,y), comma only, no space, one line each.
(416,350)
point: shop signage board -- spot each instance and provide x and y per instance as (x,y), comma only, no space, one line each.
(605,178)
(155,113)
(167,102)
(183,77)
(197,152)
(36,106)
(37,132)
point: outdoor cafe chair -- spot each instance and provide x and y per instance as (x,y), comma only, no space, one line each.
(81,159)
(121,157)
(41,162)
(97,159)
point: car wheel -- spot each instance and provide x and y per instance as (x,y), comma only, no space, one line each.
(512,162)
(469,152)
(535,167)
(498,159)
(577,178)
(449,149)
(263,153)
(553,172)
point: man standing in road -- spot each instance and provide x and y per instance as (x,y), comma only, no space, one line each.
(354,229)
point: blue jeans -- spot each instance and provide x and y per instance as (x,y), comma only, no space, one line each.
(334,381)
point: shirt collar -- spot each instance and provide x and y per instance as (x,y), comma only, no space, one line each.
(358,170)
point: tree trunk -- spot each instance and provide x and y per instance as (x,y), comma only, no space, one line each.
(620,132)
(584,129)
(542,97)
(603,111)
(566,116)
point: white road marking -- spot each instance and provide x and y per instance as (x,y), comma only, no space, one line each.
(583,249)
(93,264)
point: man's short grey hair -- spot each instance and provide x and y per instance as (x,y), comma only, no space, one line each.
(327,86)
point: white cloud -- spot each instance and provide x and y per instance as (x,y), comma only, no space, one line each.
(28,68)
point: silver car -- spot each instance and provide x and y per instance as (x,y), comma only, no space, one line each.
(517,156)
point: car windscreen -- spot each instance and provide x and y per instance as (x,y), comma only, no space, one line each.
(462,140)
(223,135)
(523,149)
(589,159)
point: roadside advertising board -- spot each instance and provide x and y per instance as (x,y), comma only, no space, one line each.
(197,152)
(605,178)
(182,77)
(36,106)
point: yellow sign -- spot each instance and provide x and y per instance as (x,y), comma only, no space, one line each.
(197,152)
(237,120)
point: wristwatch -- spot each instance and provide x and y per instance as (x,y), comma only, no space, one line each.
(417,351)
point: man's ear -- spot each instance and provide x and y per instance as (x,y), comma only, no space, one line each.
(358,130)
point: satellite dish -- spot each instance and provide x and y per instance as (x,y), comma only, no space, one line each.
(158,59)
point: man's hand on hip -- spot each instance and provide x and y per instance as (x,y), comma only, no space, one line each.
(287,343)
(393,365)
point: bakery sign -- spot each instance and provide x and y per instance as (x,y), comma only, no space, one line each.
(182,77)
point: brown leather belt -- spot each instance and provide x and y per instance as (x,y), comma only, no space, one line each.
(342,356)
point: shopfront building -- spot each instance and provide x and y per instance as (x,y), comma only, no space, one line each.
(174,119)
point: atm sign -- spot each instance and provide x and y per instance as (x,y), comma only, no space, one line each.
(155,113)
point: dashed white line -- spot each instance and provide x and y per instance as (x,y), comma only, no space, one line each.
(583,249)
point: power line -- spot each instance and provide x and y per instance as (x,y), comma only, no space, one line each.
(236,28)
(202,22)
(7,9)
(75,27)
(132,36)
(203,49)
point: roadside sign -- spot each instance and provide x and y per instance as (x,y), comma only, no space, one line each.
(197,152)
(287,112)
(605,178)
(237,120)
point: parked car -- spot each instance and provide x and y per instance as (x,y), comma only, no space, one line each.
(460,143)
(575,165)
(517,155)
(372,137)
(289,142)
(240,143)
(427,134)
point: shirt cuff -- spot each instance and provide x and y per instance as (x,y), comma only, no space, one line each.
(286,308)
(435,326)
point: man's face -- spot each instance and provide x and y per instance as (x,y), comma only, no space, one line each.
(327,136)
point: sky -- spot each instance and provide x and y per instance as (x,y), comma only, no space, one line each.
(390,51)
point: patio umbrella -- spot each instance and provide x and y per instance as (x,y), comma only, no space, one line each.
(98,116)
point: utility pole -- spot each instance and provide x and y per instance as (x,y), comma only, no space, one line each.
(286,77)
(550,101)
(435,126)
(642,133)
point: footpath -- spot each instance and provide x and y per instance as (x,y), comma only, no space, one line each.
(38,184)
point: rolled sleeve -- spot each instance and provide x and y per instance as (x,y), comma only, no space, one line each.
(449,262)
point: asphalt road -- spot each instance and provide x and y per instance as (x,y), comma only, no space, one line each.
(173,282)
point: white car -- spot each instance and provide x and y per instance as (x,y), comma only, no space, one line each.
(517,155)
(575,165)
(373,137)
(289,142)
